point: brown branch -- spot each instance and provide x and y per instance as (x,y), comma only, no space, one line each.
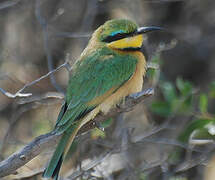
(34,148)
(201,159)
(19,92)
(29,103)
(89,166)
(31,150)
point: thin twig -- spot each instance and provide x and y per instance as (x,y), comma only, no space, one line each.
(44,26)
(152,65)
(71,35)
(32,102)
(171,142)
(8,4)
(19,92)
(89,166)
(194,162)
(37,98)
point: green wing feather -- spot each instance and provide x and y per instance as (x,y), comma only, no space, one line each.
(93,76)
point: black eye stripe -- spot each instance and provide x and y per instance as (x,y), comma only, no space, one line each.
(118,37)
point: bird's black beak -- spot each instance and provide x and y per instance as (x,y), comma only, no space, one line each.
(142,30)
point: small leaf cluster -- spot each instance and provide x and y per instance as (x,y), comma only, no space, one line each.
(177,99)
(184,99)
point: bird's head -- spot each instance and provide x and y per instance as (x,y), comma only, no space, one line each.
(121,34)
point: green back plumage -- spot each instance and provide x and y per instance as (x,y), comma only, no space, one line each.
(93,77)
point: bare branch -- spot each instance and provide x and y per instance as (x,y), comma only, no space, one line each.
(71,35)
(8,4)
(19,92)
(18,159)
(28,103)
(31,150)
(44,25)
(168,141)
(89,166)
(40,97)
(194,162)
(152,65)
(167,46)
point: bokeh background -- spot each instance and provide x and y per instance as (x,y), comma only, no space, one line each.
(168,136)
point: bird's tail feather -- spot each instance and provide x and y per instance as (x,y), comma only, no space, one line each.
(54,165)
(63,147)
(57,168)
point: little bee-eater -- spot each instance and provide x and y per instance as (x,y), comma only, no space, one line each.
(110,68)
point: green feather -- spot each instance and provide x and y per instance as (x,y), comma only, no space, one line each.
(62,111)
(56,156)
(53,167)
(92,77)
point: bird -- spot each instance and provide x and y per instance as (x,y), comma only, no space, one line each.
(110,68)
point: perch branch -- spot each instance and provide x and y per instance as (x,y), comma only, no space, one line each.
(34,148)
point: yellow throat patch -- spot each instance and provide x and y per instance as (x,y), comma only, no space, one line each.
(129,42)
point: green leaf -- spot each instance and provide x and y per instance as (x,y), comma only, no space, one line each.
(161,108)
(203,103)
(202,133)
(169,92)
(212,90)
(184,87)
(151,73)
(143,176)
(156,59)
(187,105)
(97,133)
(211,128)
(106,123)
(197,124)
(154,74)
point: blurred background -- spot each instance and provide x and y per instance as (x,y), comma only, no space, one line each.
(170,136)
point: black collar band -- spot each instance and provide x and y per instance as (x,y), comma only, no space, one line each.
(131,49)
